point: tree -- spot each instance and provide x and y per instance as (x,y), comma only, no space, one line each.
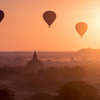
(66,93)
(6,94)
(77,73)
(41,74)
(77,90)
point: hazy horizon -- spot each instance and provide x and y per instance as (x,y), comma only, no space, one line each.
(50,51)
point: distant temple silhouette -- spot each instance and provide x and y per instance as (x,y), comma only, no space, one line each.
(72,59)
(35,63)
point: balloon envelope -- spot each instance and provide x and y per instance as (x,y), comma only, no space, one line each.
(1,15)
(49,17)
(81,28)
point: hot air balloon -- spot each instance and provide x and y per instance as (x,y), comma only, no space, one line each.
(81,28)
(1,15)
(49,17)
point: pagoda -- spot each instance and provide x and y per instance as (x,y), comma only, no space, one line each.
(35,63)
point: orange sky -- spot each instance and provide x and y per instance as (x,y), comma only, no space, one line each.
(23,27)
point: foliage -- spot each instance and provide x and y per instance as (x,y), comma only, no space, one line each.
(48,79)
(77,90)
(6,94)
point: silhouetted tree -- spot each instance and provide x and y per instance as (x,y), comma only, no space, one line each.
(77,73)
(68,74)
(66,93)
(52,73)
(6,94)
(41,74)
(77,90)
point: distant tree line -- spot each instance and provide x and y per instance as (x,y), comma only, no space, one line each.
(47,79)
(65,82)
(75,73)
(73,90)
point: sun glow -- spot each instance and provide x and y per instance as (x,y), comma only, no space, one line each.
(23,27)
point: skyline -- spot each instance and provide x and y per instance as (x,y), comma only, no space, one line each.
(23,27)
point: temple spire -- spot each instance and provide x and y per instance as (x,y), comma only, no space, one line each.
(35,55)
(35,63)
